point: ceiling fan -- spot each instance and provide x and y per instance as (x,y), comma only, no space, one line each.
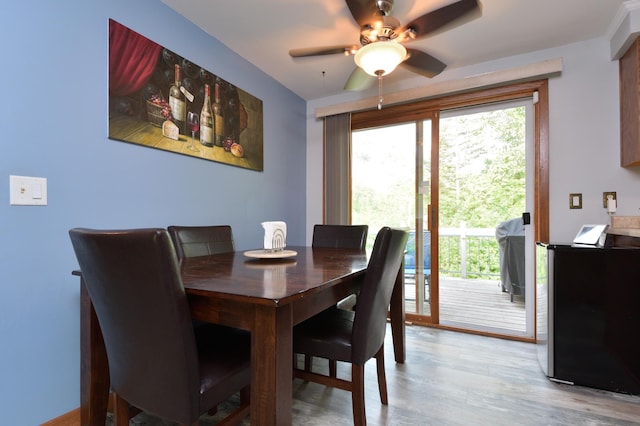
(382,38)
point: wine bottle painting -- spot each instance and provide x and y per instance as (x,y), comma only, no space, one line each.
(153,91)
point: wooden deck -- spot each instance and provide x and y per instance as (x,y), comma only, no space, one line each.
(475,304)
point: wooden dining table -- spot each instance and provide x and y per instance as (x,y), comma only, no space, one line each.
(267,296)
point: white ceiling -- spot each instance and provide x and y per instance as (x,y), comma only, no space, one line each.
(263,31)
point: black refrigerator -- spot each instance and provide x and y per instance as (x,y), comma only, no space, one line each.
(588,315)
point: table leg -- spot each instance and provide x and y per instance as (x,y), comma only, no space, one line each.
(271,365)
(397,315)
(94,368)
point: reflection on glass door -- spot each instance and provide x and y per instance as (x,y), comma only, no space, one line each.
(481,198)
(382,178)
(390,186)
(418,271)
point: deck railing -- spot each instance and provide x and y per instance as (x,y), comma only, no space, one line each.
(469,253)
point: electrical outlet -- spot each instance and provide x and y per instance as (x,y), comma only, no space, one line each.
(604,198)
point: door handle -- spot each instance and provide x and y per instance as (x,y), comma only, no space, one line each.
(526,218)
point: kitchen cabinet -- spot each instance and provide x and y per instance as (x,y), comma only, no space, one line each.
(630,106)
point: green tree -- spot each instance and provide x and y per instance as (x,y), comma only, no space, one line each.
(481,168)
(482,163)
(383,177)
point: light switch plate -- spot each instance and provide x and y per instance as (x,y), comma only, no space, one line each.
(575,201)
(27,191)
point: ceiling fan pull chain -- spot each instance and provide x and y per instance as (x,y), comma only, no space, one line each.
(379,90)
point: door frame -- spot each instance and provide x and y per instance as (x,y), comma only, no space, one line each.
(425,109)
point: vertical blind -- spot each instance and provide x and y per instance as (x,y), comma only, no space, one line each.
(337,164)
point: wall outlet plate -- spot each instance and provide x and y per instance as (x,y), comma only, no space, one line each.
(604,198)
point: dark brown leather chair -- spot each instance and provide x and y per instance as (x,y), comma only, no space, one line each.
(192,241)
(158,362)
(356,336)
(340,236)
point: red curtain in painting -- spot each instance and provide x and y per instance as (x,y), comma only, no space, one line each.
(132,59)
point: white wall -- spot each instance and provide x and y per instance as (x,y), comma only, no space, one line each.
(584,136)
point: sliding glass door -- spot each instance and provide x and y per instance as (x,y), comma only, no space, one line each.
(455,178)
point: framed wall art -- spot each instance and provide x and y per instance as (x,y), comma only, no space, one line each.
(161,100)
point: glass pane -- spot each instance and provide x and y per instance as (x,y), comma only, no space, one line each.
(383,177)
(481,186)
(383,180)
(426,156)
(420,234)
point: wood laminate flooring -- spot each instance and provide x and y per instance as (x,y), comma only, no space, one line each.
(453,378)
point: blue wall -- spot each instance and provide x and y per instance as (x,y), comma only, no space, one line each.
(53,119)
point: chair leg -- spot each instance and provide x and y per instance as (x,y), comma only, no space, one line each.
(120,411)
(382,378)
(240,413)
(333,368)
(357,395)
(308,360)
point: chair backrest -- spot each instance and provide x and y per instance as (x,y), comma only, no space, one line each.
(340,236)
(192,241)
(370,320)
(133,280)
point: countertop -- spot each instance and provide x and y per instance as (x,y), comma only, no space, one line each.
(625,225)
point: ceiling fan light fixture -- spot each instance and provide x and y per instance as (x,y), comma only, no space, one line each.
(382,56)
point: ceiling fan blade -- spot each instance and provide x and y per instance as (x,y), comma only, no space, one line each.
(365,12)
(423,63)
(359,80)
(446,17)
(328,50)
